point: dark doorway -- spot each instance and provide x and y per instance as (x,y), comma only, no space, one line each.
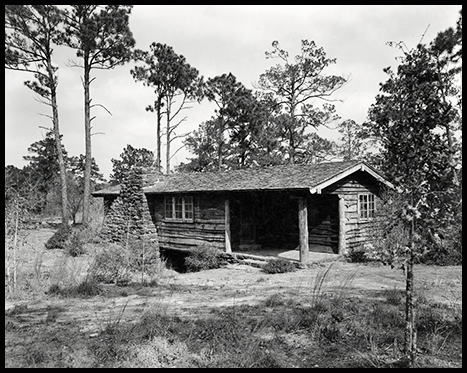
(264,220)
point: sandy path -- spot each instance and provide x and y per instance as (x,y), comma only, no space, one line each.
(194,294)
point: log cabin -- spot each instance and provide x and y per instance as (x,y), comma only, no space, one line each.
(326,206)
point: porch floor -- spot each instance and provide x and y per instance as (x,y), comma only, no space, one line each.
(317,253)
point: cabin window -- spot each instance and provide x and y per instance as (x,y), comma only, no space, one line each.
(366,206)
(179,208)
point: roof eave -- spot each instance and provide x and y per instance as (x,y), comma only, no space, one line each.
(358,167)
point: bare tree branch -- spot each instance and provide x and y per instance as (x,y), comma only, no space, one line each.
(181,147)
(102,106)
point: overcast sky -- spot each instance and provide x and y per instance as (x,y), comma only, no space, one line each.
(218,39)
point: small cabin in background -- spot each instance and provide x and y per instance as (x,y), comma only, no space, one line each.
(325,207)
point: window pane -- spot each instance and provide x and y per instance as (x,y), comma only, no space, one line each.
(178,208)
(363,206)
(188,207)
(371,207)
(367,206)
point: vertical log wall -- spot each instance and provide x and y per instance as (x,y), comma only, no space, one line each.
(303,230)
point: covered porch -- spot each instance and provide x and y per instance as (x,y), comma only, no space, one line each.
(284,224)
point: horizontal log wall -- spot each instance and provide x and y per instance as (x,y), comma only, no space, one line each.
(208,225)
(323,234)
(358,231)
(323,221)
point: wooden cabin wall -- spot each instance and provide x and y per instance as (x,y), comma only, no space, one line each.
(207,228)
(358,231)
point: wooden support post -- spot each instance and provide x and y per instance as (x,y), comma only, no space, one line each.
(342,226)
(228,246)
(303,230)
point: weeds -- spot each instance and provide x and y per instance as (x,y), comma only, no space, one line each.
(203,258)
(340,330)
(85,289)
(316,292)
(75,246)
(278,266)
(36,356)
(59,238)
(394,296)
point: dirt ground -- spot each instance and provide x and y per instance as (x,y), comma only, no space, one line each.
(65,324)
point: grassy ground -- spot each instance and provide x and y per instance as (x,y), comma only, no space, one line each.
(335,314)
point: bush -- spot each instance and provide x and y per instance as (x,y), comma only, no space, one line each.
(356,256)
(112,265)
(202,258)
(59,238)
(88,289)
(362,254)
(85,289)
(447,254)
(75,246)
(279,266)
(119,263)
(394,296)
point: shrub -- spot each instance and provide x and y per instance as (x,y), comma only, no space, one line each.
(75,246)
(85,289)
(59,238)
(363,254)
(275,300)
(279,266)
(394,296)
(449,254)
(202,258)
(112,265)
(356,256)
(54,289)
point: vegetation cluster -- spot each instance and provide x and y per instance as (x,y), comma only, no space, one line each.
(412,136)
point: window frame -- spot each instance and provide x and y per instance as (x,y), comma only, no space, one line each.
(364,206)
(179,205)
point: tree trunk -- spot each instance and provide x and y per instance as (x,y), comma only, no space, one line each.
(15,249)
(58,144)
(87,134)
(452,153)
(293,121)
(291,147)
(220,144)
(410,330)
(167,148)
(158,135)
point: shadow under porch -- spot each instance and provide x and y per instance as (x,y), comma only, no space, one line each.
(267,223)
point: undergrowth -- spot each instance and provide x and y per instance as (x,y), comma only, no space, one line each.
(279,332)
(59,238)
(202,258)
(278,266)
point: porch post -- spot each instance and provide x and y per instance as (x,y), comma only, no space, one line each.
(228,247)
(342,227)
(303,230)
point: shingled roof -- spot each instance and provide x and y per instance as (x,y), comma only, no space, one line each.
(313,177)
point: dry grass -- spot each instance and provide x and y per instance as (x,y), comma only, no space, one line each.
(348,315)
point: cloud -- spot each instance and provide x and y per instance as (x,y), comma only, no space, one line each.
(219,39)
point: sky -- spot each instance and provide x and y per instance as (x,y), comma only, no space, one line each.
(216,40)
